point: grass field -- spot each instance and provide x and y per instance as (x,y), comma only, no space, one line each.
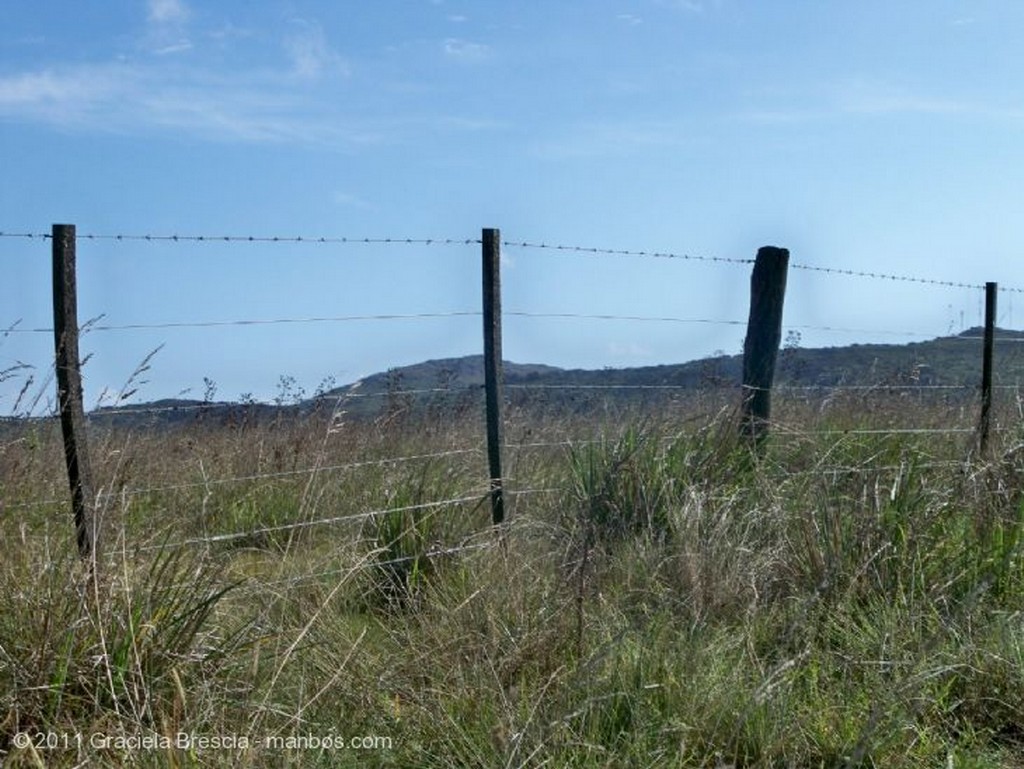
(659,597)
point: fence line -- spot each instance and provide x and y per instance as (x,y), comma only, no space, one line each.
(556,247)
(258,239)
(624,252)
(758,360)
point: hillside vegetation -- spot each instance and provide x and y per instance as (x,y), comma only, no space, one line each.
(661,596)
(952,361)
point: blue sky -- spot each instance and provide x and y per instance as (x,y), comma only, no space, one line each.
(873,136)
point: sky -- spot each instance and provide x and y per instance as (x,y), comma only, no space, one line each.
(875,136)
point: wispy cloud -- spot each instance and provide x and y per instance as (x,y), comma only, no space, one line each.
(309,52)
(852,98)
(691,6)
(167,31)
(611,138)
(348,200)
(256,107)
(129,99)
(862,97)
(168,11)
(64,97)
(464,50)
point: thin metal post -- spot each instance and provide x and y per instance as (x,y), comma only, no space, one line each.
(493,374)
(991,292)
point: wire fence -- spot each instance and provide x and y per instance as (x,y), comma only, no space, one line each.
(478,494)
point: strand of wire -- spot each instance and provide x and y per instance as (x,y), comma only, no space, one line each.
(176,238)
(623,252)
(507,243)
(880,431)
(338,519)
(261,322)
(824,472)
(895,277)
(477,497)
(477,313)
(262,476)
(710,321)
(367,562)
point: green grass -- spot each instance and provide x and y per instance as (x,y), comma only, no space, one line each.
(661,597)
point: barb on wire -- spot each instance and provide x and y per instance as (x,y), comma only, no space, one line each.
(883,276)
(623,252)
(176,238)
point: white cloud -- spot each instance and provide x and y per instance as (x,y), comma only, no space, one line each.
(168,11)
(465,50)
(692,6)
(310,54)
(167,27)
(63,97)
(630,19)
(261,107)
(863,97)
(603,138)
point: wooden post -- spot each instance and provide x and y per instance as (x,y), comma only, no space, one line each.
(69,387)
(764,334)
(493,375)
(991,291)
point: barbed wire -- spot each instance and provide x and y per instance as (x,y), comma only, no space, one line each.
(179,238)
(557,247)
(623,252)
(899,278)
(111,494)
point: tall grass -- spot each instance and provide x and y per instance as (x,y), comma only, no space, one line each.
(661,597)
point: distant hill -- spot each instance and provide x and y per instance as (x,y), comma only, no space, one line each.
(949,360)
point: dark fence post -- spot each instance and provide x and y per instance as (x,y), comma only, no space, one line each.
(764,334)
(69,387)
(991,291)
(493,374)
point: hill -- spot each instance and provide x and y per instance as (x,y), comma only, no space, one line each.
(950,360)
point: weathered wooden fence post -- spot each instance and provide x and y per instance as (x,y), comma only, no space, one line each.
(764,334)
(69,388)
(988,347)
(493,374)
